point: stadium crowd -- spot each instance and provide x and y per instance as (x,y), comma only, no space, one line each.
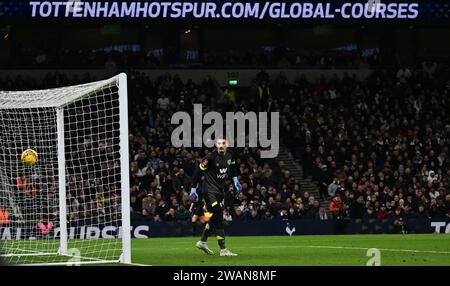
(133,56)
(377,147)
(161,174)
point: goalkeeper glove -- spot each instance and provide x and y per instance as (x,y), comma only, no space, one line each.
(237,185)
(193,195)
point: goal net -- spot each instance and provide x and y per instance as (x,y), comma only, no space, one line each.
(72,206)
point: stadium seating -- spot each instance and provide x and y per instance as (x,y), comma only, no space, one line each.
(369,141)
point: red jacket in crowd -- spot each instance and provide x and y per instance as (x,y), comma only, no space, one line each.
(336,205)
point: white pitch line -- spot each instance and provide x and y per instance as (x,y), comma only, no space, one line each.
(354,248)
(138,264)
(381,249)
(331,247)
(351,248)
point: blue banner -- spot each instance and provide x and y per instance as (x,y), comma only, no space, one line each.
(147,229)
(297,227)
(373,10)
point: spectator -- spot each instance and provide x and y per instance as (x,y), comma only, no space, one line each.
(181,181)
(422,212)
(370,214)
(399,221)
(263,97)
(4,215)
(227,216)
(333,187)
(182,214)
(322,214)
(337,208)
(163,102)
(403,74)
(238,215)
(429,68)
(292,214)
(382,213)
(170,215)
(254,215)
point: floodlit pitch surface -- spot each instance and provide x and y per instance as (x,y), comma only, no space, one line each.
(318,250)
(297,250)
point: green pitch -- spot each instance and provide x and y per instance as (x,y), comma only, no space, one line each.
(410,249)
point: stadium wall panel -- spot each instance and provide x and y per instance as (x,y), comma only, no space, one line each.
(146,229)
(297,227)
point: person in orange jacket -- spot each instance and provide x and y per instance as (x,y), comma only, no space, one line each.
(4,216)
(337,207)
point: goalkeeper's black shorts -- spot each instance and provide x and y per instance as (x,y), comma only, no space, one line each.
(213,198)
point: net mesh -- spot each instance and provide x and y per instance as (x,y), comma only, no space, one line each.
(29,195)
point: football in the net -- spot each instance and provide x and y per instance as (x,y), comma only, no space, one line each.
(29,157)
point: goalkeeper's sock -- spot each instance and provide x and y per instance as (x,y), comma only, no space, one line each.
(221,238)
(205,233)
(194,227)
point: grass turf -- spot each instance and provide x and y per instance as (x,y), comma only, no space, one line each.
(342,250)
(313,250)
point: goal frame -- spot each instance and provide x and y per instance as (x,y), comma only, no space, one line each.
(125,257)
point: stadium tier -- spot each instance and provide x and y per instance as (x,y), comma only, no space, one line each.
(360,139)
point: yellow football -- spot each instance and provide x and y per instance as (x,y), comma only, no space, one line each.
(29,157)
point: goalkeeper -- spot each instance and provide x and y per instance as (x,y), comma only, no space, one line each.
(215,167)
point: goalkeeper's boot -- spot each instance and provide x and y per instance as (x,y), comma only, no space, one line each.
(204,246)
(226,252)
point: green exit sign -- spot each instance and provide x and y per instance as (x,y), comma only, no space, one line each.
(232,82)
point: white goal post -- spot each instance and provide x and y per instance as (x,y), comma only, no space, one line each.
(73,206)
